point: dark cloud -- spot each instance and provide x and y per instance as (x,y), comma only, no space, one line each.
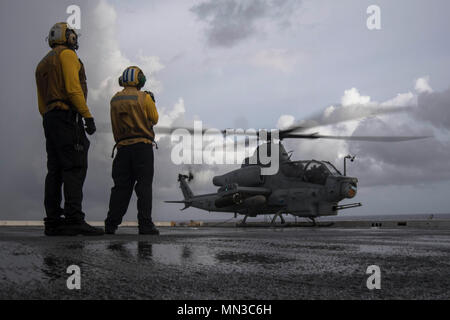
(412,162)
(434,107)
(395,163)
(231,21)
(399,163)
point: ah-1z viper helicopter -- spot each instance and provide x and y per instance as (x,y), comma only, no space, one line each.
(308,189)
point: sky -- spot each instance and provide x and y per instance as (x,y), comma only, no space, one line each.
(245,64)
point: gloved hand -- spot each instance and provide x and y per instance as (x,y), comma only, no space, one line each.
(151,95)
(90,126)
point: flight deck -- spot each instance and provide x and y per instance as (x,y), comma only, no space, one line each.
(228,263)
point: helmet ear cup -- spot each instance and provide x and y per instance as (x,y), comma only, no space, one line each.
(121,81)
(141,79)
(72,39)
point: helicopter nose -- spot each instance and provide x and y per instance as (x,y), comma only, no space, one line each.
(349,189)
(351,192)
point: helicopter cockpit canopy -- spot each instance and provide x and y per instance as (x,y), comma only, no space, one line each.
(312,171)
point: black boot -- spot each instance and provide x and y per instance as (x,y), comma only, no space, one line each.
(52,231)
(83,228)
(110,229)
(51,227)
(57,227)
(148,230)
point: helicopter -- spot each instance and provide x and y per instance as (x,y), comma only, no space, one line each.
(302,188)
(308,188)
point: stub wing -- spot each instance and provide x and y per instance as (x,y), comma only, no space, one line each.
(249,191)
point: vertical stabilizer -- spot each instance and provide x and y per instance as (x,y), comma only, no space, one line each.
(187,192)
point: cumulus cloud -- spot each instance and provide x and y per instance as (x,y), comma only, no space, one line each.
(172,117)
(412,162)
(285,121)
(109,62)
(353,106)
(232,21)
(423,85)
(402,99)
(105,64)
(151,65)
(353,97)
(103,72)
(397,163)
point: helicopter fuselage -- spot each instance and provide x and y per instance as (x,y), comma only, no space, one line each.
(301,188)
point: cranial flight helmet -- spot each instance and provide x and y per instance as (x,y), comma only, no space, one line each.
(62,34)
(132,77)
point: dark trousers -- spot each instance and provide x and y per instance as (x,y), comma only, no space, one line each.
(67,150)
(132,168)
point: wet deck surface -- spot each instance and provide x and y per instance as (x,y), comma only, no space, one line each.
(214,263)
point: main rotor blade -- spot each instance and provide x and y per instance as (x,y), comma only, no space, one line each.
(169,130)
(343,114)
(337,115)
(104,127)
(357,138)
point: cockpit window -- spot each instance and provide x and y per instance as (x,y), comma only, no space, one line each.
(333,170)
(293,169)
(316,172)
(310,171)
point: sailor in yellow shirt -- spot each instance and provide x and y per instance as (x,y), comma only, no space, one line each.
(133,115)
(62,93)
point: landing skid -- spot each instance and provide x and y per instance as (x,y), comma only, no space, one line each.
(243,223)
(272,223)
(313,224)
(278,214)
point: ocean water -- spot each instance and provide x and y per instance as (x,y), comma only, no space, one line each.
(227,217)
(402,217)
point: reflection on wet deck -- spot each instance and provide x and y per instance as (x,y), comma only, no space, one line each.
(225,263)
